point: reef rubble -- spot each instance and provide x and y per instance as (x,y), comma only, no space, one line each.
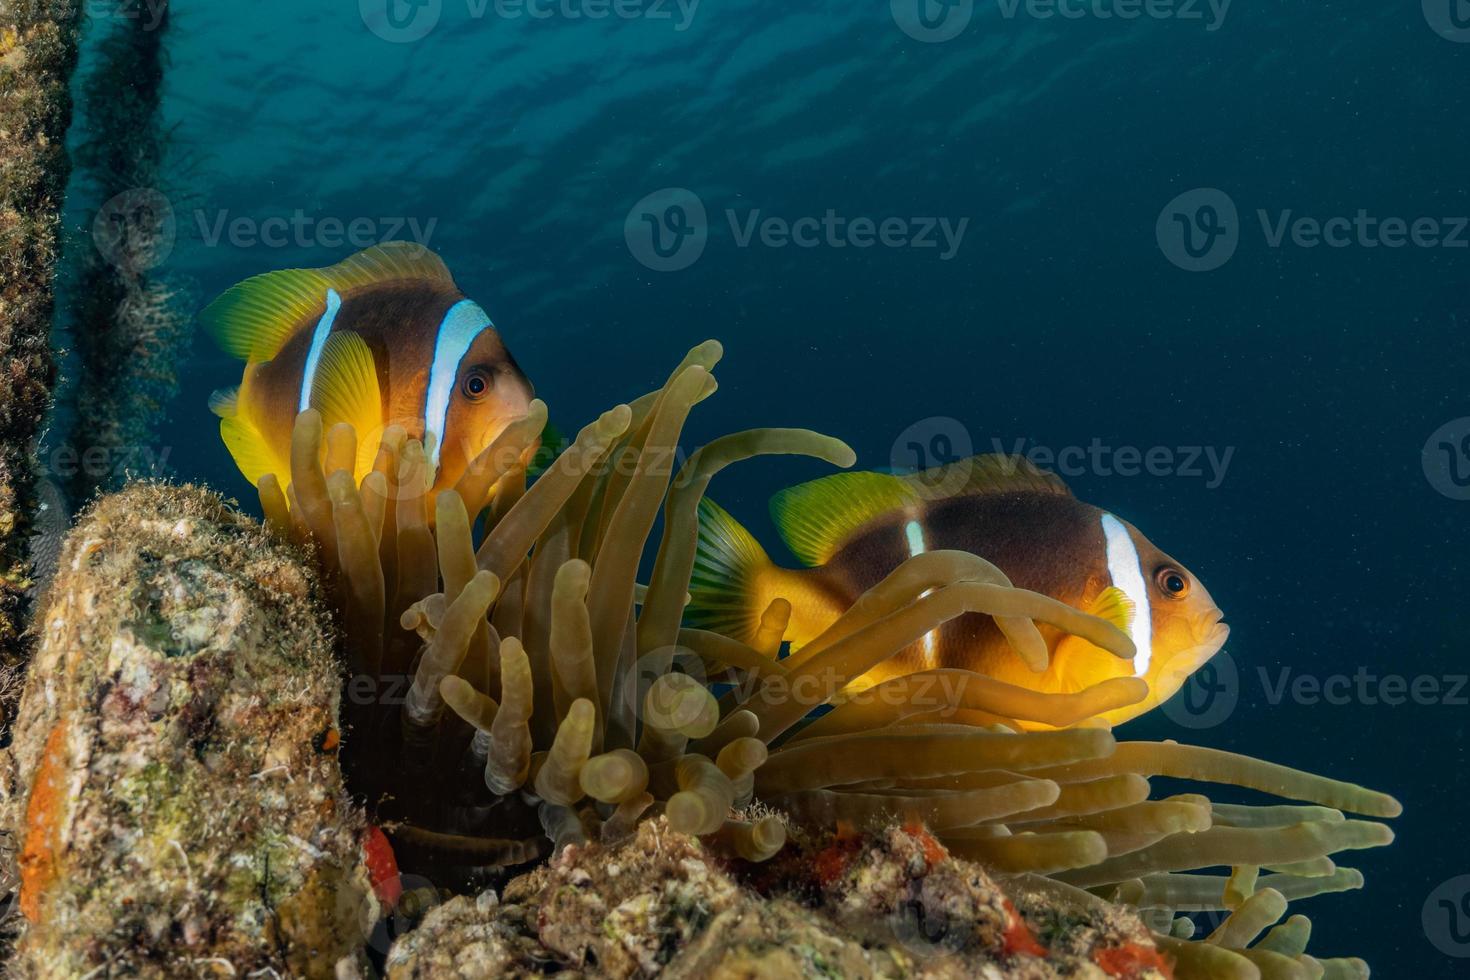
(886,904)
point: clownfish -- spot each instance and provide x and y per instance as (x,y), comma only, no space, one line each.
(853,529)
(382,338)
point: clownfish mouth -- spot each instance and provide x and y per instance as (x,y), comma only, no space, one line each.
(1213,633)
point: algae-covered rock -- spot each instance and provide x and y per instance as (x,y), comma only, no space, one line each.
(174,789)
(892,904)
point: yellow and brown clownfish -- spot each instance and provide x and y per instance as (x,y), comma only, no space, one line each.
(382,338)
(853,529)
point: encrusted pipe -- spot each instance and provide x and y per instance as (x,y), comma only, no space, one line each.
(38,50)
(176,792)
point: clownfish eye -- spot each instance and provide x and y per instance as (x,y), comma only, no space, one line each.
(1172,582)
(475,385)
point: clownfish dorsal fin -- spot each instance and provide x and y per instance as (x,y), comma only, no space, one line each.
(252,320)
(388,262)
(992,473)
(1113,605)
(816,519)
(345,389)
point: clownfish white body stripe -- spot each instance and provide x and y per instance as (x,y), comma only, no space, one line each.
(914,533)
(319,336)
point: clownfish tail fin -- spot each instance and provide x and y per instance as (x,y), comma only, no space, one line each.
(724,591)
(735,582)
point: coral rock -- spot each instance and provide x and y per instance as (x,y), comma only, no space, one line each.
(661,904)
(176,808)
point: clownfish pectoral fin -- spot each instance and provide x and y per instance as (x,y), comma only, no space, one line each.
(225,402)
(816,519)
(1113,605)
(252,320)
(346,390)
(252,453)
(553,443)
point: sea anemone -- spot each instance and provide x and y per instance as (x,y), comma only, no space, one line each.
(545,696)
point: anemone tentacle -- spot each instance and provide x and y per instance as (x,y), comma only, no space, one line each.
(572,712)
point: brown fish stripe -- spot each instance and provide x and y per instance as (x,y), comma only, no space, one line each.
(398,320)
(1044,542)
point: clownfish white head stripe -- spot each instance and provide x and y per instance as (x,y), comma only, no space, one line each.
(461,325)
(1126,570)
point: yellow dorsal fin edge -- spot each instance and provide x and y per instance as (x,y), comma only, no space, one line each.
(816,519)
(252,320)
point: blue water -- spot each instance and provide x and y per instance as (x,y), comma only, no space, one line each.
(523,144)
